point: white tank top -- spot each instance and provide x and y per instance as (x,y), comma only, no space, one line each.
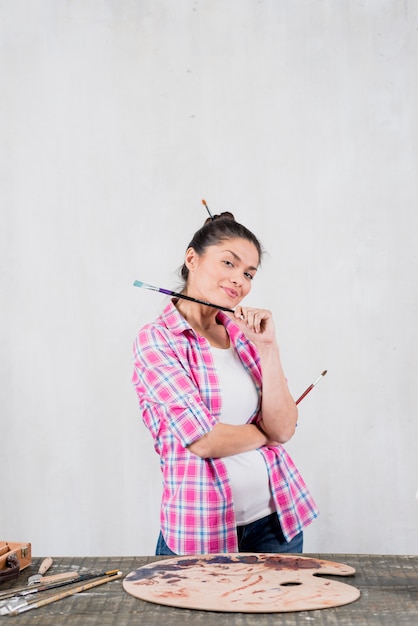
(247,471)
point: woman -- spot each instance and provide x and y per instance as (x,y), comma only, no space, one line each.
(213,394)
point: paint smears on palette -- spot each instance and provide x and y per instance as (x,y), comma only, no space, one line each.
(243,582)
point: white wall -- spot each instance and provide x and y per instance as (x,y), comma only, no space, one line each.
(116,118)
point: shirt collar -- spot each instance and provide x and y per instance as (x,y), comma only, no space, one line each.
(173,319)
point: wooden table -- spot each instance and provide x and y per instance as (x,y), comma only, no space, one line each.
(388,585)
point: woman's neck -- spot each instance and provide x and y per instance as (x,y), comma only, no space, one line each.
(203,321)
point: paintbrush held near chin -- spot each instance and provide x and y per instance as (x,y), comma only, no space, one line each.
(175,294)
(183,296)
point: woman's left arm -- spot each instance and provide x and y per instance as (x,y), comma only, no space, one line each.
(278,409)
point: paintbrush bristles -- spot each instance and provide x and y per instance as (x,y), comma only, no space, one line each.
(320,376)
(207,209)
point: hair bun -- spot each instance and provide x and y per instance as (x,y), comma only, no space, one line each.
(226,215)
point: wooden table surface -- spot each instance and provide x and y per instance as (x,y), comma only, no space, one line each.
(388,586)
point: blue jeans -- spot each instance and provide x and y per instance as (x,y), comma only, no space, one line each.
(263,535)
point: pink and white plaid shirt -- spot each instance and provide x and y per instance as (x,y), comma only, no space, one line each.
(180,400)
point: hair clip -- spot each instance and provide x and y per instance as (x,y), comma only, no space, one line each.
(207,209)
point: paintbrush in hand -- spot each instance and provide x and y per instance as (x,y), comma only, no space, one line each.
(174,294)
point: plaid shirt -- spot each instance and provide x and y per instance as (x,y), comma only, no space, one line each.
(180,400)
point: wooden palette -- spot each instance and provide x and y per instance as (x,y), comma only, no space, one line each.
(242,582)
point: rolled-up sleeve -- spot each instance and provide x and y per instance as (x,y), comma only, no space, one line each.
(167,392)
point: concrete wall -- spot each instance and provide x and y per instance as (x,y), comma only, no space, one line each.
(116,118)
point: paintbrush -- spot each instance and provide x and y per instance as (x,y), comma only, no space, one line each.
(27,606)
(207,209)
(28,590)
(168,292)
(305,393)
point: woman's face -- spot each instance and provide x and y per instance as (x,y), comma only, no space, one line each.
(223,273)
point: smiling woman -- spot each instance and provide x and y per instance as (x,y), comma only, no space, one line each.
(222,274)
(214,396)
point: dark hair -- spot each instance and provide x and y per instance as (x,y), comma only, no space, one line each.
(216,229)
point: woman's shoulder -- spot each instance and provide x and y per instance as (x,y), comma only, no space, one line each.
(167,329)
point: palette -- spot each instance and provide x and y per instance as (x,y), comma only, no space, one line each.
(243,582)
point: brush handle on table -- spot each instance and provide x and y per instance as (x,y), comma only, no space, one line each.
(65,594)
